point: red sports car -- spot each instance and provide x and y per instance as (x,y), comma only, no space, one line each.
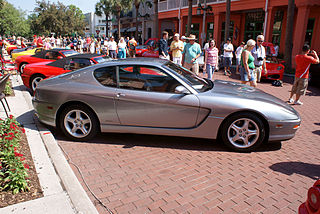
(140,49)
(274,67)
(151,52)
(34,73)
(42,56)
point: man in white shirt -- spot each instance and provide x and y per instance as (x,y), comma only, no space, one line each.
(259,54)
(228,49)
(112,47)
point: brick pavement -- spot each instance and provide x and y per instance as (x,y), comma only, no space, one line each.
(158,174)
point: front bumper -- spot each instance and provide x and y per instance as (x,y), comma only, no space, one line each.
(283,130)
(45,112)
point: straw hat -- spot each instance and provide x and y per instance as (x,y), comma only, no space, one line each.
(191,37)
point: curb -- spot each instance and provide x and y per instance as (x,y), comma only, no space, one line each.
(70,182)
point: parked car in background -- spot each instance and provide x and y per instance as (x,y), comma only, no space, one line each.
(34,73)
(274,66)
(140,49)
(154,96)
(24,51)
(43,56)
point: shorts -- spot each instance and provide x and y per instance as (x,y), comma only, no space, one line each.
(113,54)
(299,86)
(238,61)
(193,66)
(227,61)
(244,75)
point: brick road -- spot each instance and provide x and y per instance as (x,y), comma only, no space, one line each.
(157,174)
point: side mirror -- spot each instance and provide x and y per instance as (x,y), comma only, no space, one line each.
(181,90)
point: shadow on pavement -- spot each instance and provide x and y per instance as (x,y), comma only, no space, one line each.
(306,169)
(182,143)
(317,132)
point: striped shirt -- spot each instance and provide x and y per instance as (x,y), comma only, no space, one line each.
(212,56)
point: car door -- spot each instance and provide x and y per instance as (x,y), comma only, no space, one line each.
(146,97)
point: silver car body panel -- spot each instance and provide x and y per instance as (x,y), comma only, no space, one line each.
(197,114)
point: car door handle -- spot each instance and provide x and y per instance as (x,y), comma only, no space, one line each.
(120,95)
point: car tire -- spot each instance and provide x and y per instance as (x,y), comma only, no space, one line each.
(22,65)
(34,80)
(243,132)
(78,123)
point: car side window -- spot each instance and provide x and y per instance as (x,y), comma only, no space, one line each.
(52,55)
(106,76)
(146,78)
(78,63)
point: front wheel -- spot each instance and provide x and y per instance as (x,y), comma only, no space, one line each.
(243,132)
(78,123)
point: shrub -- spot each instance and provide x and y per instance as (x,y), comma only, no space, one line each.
(13,170)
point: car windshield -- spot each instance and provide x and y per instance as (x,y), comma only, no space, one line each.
(190,78)
(101,59)
(69,53)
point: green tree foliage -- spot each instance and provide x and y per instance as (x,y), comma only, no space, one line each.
(104,7)
(56,18)
(12,20)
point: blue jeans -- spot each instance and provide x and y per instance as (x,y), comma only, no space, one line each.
(210,70)
(122,53)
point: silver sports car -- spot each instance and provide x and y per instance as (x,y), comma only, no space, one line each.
(153,96)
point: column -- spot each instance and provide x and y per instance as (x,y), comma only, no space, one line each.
(270,21)
(300,29)
(217,28)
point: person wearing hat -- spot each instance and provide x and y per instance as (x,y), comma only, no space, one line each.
(177,47)
(191,53)
(228,49)
(163,46)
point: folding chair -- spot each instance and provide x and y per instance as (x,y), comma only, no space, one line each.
(3,82)
(5,63)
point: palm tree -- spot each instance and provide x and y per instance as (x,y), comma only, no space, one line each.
(117,7)
(189,17)
(137,5)
(289,36)
(104,7)
(156,18)
(227,23)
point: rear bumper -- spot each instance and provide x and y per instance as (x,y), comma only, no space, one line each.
(283,130)
(44,114)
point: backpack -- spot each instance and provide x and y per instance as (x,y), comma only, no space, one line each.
(277,83)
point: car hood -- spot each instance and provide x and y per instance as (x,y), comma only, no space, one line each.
(247,97)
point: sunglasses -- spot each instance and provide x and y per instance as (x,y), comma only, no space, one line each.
(260,40)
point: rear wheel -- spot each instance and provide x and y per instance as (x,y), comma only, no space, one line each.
(243,132)
(35,80)
(78,123)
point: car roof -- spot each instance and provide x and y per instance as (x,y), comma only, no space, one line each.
(61,62)
(42,53)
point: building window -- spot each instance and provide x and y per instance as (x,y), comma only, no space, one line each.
(254,25)
(231,27)
(309,31)
(194,29)
(210,30)
(277,24)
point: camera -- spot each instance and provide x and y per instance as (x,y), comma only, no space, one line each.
(260,59)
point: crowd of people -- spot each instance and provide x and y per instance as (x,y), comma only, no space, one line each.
(185,51)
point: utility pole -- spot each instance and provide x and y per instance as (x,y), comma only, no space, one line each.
(203,34)
(227,23)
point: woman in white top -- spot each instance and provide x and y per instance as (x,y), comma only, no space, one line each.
(122,48)
(238,55)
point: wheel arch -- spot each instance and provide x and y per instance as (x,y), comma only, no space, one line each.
(260,116)
(69,103)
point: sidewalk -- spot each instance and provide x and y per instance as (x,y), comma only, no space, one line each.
(62,191)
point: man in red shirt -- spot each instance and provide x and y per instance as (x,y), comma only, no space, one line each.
(40,41)
(303,62)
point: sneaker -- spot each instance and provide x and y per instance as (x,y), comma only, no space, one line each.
(291,100)
(298,102)
(225,73)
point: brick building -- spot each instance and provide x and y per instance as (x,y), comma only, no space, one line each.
(248,18)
